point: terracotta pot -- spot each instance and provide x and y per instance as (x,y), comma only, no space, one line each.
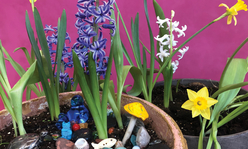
(165,127)
(233,141)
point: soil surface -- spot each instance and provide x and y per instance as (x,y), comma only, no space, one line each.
(42,122)
(187,124)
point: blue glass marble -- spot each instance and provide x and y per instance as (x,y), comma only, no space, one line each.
(78,113)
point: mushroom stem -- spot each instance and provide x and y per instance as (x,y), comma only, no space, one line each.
(129,130)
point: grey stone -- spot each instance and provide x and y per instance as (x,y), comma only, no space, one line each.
(63,143)
(142,138)
(27,141)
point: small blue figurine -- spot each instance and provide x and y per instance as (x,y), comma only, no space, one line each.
(77,114)
(66,131)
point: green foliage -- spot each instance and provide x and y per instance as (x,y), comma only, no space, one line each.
(12,97)
(49,84)
(231,81)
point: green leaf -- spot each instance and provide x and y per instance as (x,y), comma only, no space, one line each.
(16,95)
(7,103)
(168,74)
(150,79)
(137,77)
(30,61)
(116,47)
(135,35)
(43,42)
(79,71)
(40,67)
(60,46)
(5,80)
(127,55)
(234,74)
(128,36)
(93,81)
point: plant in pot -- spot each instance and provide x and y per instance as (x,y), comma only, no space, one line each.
(163,41)
(231,81)
(168,29)
(91,91)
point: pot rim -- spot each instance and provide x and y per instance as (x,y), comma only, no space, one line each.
(179,140)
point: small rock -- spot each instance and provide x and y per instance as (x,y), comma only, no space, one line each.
(136,147)
(62,143)
(83,125)
(111,130)
(25,141)
(133,140)
(118,144)
(48,138)
(155,142)
(81,144)
(142,138)
(82,133)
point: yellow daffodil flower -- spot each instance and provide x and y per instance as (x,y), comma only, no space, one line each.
(199,103)
(31,1)
(233,11)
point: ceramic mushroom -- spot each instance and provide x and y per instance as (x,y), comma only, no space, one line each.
(137,110)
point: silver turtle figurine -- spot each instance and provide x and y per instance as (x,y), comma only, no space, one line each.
(27,141)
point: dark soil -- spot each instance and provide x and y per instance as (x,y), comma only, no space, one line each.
(187,124)
(42,122)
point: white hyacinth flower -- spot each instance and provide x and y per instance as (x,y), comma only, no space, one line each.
(166,39)
(174,65)
(163,53)
(162,21)
(182,52)
(181,31)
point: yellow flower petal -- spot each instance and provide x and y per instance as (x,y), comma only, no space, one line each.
(191,94)
(211,101)
(188,105)
(31,1)
(229,19)
(240,5)
(199,103)
(195,112)
(203,92)
(222,4)
(206,113)
(235,20)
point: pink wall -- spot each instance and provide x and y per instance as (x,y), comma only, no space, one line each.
(207,53)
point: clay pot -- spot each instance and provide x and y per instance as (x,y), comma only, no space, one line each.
(233,141)
(165,127)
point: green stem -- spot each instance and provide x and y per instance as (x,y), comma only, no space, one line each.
(14,126)
(115,109)
(202,134)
